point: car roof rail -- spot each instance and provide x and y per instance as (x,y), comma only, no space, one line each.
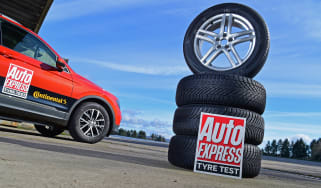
(1,14)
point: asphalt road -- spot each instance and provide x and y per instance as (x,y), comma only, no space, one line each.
(30,160)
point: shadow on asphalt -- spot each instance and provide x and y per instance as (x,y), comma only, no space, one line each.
(140,142)
(85,152)
(19,131)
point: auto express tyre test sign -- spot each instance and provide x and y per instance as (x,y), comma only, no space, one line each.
(220,145)
(18,81)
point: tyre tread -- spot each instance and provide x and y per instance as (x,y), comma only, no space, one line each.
(221,89)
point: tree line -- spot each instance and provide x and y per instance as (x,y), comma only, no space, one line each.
(139,134)
(297,150)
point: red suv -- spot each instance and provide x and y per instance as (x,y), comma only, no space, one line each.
(38,86)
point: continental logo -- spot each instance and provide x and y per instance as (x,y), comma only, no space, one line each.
(39,95)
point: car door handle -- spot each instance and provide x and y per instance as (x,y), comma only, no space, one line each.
(9,55)
(6,54)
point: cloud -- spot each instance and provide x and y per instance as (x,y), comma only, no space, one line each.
(288,128)
(289,89)
(306,15)
(166,83)
(76,8)
(133,121)
(305,138)
(291,129)
(291,114)
(131,112)
(183,11)
(141,69)
(274,130)
(138,97)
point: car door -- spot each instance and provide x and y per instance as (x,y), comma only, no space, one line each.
(28,72)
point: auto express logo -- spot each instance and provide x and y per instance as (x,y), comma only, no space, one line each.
(220,145)
(18,81)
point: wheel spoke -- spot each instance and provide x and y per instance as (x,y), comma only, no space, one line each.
(236,55)
(97,115)
(85,133)
(208,53)
(229,57)
(83,126)
(92,132)
(98,132)
(87,114)
(245,39)
(242,33)
(201,37)
(82,119)
(218,52)
(210,33)
(229,26)
(92,114)
(222,29)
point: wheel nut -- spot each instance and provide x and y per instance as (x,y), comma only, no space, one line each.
(219,46)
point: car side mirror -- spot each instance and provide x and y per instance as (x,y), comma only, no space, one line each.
(60,65)
(66,60)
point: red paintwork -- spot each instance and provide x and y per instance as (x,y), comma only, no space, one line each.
(48,78)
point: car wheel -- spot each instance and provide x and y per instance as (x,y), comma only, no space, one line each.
(89,123)
(49,131)
(227,38)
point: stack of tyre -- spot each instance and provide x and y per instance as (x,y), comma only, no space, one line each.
(219,87)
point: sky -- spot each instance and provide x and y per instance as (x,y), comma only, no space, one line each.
(134,49)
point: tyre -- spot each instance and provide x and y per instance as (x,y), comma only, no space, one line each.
(219,89)
(252,157)
(187,119)
(227,38)
(49,131)
(182,149)
(89,123)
